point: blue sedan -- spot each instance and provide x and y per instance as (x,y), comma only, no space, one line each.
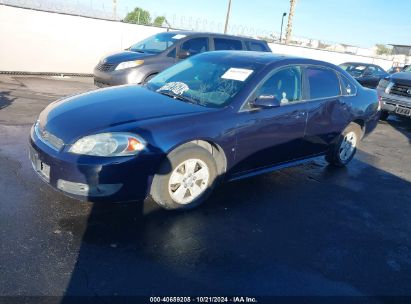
(215,117)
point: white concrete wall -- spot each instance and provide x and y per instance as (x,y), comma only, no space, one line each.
(333,57)
(34,41)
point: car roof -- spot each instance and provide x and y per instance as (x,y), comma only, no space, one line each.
(192,33)
(360,63)
(266,58)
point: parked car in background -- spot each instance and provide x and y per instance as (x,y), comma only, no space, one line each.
(145,59)
(368,75)
(216,116)
(395,94)
(397,69)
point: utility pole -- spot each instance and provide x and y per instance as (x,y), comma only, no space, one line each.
(228,17)
(290,22)
(282,22)
(115,9)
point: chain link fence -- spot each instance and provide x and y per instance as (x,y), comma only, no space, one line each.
(115,10)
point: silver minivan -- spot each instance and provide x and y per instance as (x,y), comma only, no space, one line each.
(143,60)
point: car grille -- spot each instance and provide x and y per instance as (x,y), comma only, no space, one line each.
(402,90)
(49,139)
(105,67)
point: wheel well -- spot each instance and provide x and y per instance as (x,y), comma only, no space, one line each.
(361,123)
(148,76)
(215,150)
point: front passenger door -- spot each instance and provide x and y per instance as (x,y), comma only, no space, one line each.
(371,77)
(193,47)
(270,136)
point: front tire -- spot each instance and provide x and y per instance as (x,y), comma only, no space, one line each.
(185,179)
(343,152)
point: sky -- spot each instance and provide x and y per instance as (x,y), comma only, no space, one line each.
(357,22)
(361,23)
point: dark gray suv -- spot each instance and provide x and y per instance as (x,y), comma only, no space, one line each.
(395,94)
(143,60)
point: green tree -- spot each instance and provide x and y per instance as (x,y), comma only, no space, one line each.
(159,21)
(138,16)
(383,49)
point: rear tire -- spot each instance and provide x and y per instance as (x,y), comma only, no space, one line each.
(185,179)
(384,115)
(344,150)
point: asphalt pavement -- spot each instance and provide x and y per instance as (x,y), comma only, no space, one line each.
(311,230)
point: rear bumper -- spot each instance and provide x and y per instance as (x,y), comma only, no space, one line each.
(96,179)
(113,78)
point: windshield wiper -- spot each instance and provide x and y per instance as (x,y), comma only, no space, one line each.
(137,51)
(176,96)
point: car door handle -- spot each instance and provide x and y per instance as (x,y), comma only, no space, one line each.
(297,114)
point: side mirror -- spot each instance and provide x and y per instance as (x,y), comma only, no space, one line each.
(266,101)
(183,54)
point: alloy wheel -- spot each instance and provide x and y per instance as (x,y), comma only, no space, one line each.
(188,181)
(348,146)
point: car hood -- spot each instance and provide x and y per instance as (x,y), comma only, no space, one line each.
(91,112)
(402,78)
(124,56)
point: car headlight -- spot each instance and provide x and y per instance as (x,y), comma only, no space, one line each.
(389,87)
(129,64)
(383,84)
(108,145)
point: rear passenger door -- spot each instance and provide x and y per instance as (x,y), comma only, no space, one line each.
(370,77)
(326,111)
(221,44)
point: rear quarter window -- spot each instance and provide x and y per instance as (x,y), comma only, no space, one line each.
(347,86)
(323,82)
(256,46)
(221,44)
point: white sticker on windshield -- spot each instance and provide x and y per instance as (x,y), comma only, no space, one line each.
(178,36)
(177,88)
(237,74)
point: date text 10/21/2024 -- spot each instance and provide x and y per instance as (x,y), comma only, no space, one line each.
(238,299)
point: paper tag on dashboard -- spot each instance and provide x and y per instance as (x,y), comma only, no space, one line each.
(237,74)
(178,36)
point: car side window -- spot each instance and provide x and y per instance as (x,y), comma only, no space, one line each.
(371,70)
(284,85)
(256,46)
(196,45)
(227,44)
(347,87)
(323,82)
(380,71)
(172,53)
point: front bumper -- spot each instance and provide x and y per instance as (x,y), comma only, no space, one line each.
(120,77)
(94,178)
(395,103)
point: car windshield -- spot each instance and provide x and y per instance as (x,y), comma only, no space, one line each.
(355,70)
(207,80)
(156,44)
(407,69)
